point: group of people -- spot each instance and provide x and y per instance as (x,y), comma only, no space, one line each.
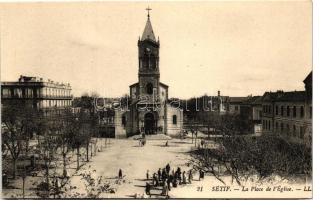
(167,179)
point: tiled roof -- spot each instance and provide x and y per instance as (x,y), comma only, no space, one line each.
(253,100)
(295,96)
(148,32)
(237,99)
(271,96)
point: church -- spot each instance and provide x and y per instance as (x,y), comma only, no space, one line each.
(149,111)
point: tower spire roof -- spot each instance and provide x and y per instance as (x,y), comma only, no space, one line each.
(148,31)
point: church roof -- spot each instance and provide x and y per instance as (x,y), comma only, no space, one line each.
(148,32)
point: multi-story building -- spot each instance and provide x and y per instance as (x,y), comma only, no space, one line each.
(289,114)
(268,103)
(233,104)
(48,96)
(251,111)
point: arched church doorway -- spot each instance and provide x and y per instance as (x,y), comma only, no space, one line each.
(150,123)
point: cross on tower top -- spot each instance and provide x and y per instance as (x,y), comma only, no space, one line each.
(148,9)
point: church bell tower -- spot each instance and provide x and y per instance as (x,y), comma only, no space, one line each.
(148,50)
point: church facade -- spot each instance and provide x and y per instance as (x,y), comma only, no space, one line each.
(149,111)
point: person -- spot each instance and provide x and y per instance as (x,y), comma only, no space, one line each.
(157,183)
(165,188)
(184,178)
(148,188)
(169,181)
(190,176)
(143,141)
(147,174)
(202,143)
(178,171)
(163,174)
(166,143)
(174,182)
(168,168)
(201,174)
(120,174)
(140,143)
(154,179)
(159,174)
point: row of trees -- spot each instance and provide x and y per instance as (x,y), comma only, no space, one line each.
(244,157)
(56,134)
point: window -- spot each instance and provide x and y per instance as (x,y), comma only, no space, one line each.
(149,88)
(301,132)
(236,108)
(282,110)
(276,109)
(269,125)
(294,111)
(174,119)
(302,112)
(269,109)
(288,111)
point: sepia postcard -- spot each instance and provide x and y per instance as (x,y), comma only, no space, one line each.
(155,99)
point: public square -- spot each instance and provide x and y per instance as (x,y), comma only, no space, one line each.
(134,161)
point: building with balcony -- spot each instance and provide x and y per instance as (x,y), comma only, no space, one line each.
(47,96)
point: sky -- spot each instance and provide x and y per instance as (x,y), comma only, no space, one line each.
(239,48)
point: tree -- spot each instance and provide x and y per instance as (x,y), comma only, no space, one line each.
(49,145)
(63,128)
(20,121)
(243,157)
